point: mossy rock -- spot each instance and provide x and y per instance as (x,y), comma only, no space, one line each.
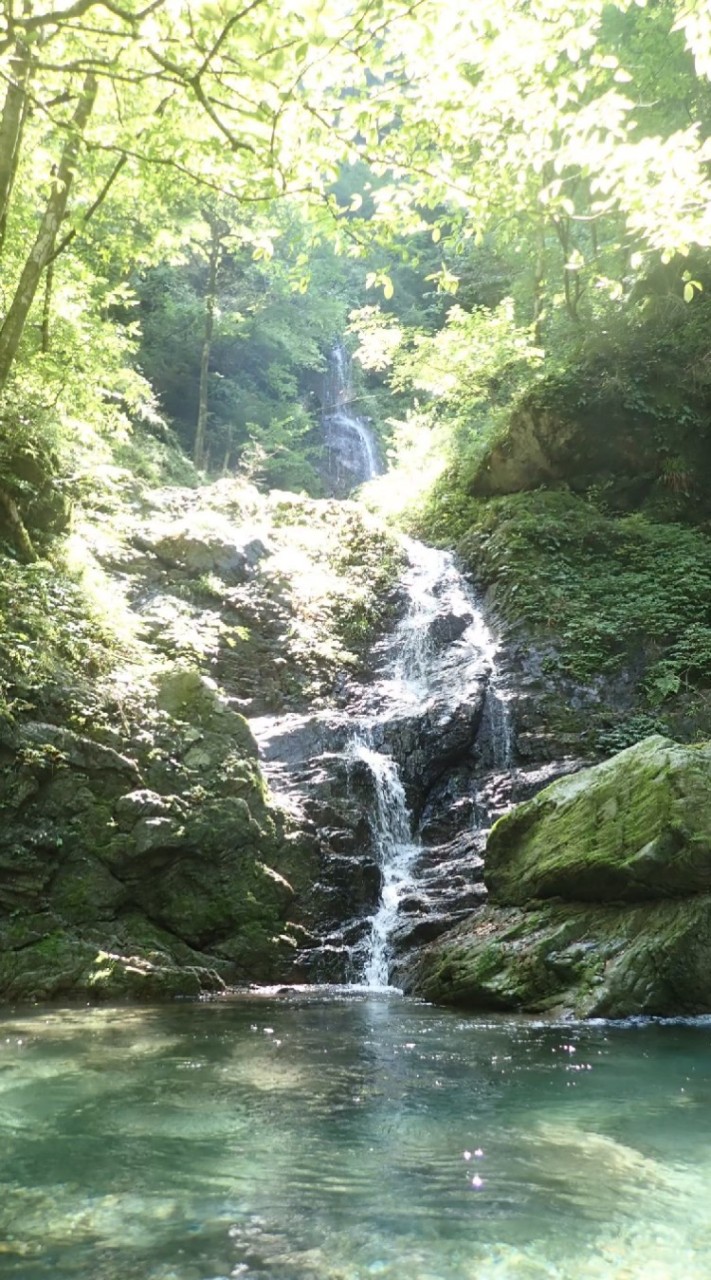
(637,826)
(548,441)
(40,959)
(586,961)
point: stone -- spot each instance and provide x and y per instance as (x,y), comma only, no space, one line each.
(187,695)
(600,897)
(545,444)
(143,803)
(636,827)
(577,960)
(207,545)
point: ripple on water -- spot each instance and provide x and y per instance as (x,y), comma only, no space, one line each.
(330,1136)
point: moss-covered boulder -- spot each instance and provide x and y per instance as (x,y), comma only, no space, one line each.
(146,875)
(636,827)
(552,437)
(575,959)
(600,896)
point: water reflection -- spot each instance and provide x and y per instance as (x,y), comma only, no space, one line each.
(304,1138)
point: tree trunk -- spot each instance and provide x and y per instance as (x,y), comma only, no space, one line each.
(210,300)
(43,247)
(539,275)
(12,122)
(47,306)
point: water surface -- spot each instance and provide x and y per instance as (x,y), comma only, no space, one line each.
(344,1137)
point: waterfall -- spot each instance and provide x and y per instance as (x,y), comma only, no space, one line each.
(425,672)
(351,452)
(396,853)
(398,785)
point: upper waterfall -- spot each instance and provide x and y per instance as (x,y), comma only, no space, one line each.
(351,451)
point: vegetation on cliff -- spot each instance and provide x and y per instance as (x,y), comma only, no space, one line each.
(510,208)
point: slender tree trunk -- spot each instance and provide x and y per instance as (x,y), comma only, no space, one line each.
(539,275)
(43,247)
(210,300)
(47,306)
(12,122)
(571,278)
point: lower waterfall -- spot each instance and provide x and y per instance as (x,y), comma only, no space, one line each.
(396,851)
(412,755)
(423,665)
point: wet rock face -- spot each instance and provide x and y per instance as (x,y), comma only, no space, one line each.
(572,959)
(599,896)
(426,745)
(407,771)
(121,876)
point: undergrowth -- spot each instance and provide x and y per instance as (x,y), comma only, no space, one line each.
(610,591)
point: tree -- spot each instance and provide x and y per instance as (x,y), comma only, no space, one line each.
(237,101)
(219,229)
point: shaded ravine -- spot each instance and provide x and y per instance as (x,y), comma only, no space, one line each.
(400,784)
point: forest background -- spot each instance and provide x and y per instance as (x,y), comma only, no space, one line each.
(507,210)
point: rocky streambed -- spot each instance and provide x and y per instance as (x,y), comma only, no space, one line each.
(304,758)
(396,787)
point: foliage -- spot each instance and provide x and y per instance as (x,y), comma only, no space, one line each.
(56,641)
(267,354)
(611,592)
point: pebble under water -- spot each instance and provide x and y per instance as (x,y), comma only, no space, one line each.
(326,1135)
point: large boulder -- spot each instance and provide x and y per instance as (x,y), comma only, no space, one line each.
(600,897)
(155,880)
(636,827)
(548,441)
(575,959)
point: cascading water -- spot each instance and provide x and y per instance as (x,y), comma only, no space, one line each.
(400,784)
(428,671)
(351,453)
(396,854)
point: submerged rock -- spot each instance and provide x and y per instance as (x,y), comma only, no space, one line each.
(624,848)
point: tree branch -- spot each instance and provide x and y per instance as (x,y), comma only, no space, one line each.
(86,217)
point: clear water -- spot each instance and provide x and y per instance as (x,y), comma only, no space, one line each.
(344,1138)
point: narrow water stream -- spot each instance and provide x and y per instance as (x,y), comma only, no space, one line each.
(420,674)
(436,700)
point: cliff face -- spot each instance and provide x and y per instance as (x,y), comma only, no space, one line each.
(140,852)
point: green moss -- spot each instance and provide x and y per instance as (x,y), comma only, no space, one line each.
(594,961)
(607,591)
(637,826)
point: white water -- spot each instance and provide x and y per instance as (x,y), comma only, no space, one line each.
(422,674)
(396,854)
(352,453)
(433,669)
